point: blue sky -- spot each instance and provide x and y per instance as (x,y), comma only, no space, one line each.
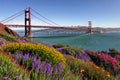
(102,13)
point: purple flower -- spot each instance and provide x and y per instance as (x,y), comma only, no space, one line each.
(117,56)
(47,67)
(17,56)
(61,50)
(37,65)
(34,58)
(33,64)
(22,40)
(58,66)
(82,75)
(20,52)
(50,71)
(3,41)
(26,57)
(83,56)
(5,78)
(16,76)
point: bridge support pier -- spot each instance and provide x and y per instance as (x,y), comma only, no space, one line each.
(28,32)
(89,27)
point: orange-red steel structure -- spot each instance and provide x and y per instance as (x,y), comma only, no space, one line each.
(89,27)
(27,22)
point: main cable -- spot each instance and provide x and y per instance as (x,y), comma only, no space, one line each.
(44,17)
(40,19)
(11,16)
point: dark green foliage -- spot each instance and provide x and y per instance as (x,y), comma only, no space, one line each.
(93,57)
(112,52)
(69,50)
(60,46)
(8,38)
(72,51)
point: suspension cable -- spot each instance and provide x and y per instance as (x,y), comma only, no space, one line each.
(44,17)
(40,19)
(11,16)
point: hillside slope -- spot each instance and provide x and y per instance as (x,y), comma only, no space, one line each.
(7,31)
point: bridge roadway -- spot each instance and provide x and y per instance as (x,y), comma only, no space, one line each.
(81,28)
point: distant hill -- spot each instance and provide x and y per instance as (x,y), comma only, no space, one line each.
(7,31)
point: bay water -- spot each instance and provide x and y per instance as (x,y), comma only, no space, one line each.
(96,42)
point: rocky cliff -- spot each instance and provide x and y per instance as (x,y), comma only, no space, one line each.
(7,31)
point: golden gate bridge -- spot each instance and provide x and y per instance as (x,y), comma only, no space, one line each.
(28,27)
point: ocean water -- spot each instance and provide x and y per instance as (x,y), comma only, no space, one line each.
(96,42)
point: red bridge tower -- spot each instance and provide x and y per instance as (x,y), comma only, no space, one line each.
(89,27)
(28,32)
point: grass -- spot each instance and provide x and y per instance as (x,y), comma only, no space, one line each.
(8,38)
(9,69)
(88,69)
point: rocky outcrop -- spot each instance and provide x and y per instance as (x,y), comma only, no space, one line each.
(7,31)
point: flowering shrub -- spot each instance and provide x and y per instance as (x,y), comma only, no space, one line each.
(3,41)
(113,52)
(105,60)
(22,40)
(9,70)
(60,46)
(117,56)
(61,50)
(72,51)
(83,56)
(87,69)
(44,52)
(33,63)
(76,52)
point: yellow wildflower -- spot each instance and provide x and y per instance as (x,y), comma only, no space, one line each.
(108,75)
(103,70)
(96,67)
(82,70)
(49,53)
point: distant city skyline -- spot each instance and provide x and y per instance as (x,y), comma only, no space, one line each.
(102,13)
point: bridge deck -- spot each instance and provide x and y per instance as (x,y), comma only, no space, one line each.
(54,27)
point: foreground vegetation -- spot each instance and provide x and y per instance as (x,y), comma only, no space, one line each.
(23,60)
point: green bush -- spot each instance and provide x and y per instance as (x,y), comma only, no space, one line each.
(10,70)
(88,69)
(112,52)
(43,51)
(8,38)
(73,51)
(60,46)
